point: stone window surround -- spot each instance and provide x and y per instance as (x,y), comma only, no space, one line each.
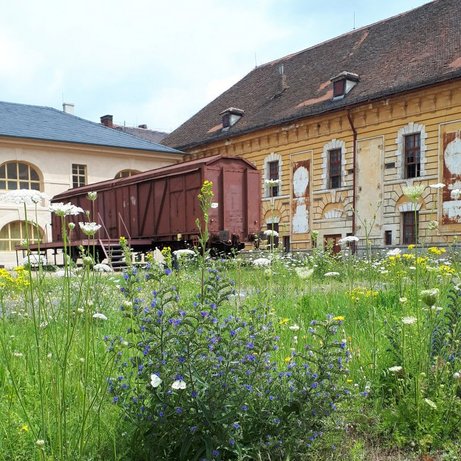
(272,157)
(410,128)
(333,144)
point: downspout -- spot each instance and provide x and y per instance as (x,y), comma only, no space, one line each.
(354,167)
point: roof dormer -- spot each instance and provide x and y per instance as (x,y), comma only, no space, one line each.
(343,83)
(230,117)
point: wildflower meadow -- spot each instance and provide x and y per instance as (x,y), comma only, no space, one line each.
(261,356)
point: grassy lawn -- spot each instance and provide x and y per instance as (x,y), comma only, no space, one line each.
(312,357)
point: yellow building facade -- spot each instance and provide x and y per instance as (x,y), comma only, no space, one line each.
(339,131)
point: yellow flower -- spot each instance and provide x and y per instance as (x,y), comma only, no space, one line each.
(339,318)
(411,246)
(284,321)
(24,428)
(436,251)
(287,359)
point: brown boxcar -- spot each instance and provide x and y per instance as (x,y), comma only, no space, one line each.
(159,207)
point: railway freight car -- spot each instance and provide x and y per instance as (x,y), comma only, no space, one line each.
(159,207)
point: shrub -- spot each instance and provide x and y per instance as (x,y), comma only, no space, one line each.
(201,382)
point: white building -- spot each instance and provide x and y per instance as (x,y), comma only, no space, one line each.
(48,150)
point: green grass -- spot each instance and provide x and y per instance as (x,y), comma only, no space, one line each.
(53,378)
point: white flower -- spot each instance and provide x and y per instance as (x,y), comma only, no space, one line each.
(303,272)
(92,196)
(457,375)
(331,274)
(403,300)
(185,252)
(102,268)
(40,443)
(348,239)
(100,316)
(394,252)
(271,233)
(71,226)
(178,384)
(17,354)
(437,186)
(26,196)
(67,209)
(261,262)
(89,228)
(34,260)
(396,369)
(294,327)
(413,192)
(409,320)
(155,380)
(455,194)
(214,204)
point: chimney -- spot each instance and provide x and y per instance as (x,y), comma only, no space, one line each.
(68,108)
(107,120)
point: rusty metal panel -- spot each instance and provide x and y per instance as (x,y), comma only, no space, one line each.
(163,203)
(253,202)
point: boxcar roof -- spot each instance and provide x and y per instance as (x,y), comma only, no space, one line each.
(178,168)
(49,124)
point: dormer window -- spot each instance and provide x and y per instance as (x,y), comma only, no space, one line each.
(343,83)
(230,117)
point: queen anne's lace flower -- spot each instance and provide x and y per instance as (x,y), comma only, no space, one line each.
(185,252)
(65,209)
(409,320)
(262,262)
(26,196)
(414,192)
(348,239)
(271,233)
(99,316)
(89,228)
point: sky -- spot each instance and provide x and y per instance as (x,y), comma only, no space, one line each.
(158,62)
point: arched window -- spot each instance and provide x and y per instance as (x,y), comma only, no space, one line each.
(17,175)
(17,231)
(126,173)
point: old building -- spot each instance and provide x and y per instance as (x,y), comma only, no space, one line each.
(339,130)
(50,151)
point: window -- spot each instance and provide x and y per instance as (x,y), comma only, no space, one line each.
(126,173)
(15,232)
(409,227)
(339,88)
(226,120)
(273,170)
(78,175)
(388,237)
(412,152)
(334,168)
(17,175)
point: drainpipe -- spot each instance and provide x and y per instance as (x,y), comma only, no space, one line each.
(354,167)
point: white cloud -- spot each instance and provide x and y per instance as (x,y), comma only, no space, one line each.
(156,62)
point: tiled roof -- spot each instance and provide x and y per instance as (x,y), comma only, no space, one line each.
(46,123)
(408,51)
(144,133)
